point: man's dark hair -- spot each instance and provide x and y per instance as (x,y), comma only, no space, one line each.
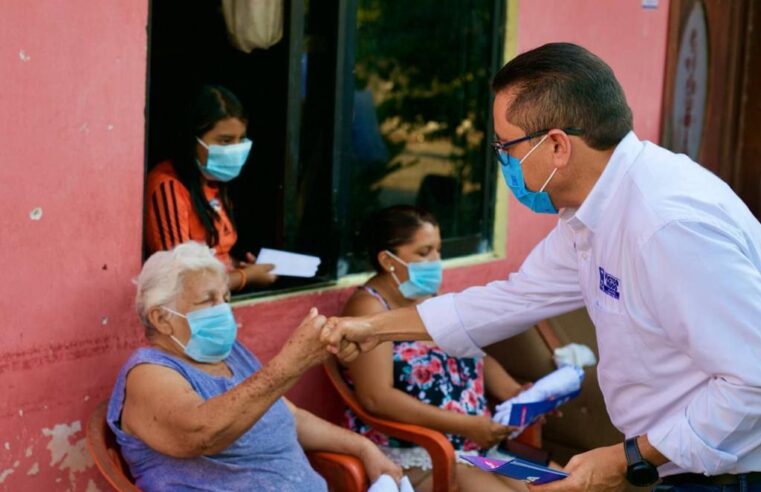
(392,227)
(562,85)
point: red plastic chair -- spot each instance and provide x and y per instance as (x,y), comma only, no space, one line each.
(342,472)
(437,445)
(434,442)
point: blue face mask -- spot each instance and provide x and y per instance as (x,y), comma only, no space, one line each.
(424,277)
(538,201)
(212,333)
(224,162)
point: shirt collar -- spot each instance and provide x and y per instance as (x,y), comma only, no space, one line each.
(596,203)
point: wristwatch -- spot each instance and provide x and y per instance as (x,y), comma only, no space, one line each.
(639,471)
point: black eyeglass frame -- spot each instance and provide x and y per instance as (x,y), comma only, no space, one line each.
(503,146)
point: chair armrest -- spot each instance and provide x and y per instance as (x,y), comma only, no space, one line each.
(342,471)
(434,442)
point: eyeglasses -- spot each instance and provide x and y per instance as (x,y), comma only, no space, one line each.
(501,147)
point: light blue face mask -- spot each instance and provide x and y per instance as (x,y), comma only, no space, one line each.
(212,333)
(224,162)
(424,277)
(538,201)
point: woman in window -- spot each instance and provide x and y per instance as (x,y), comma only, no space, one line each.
(187,197)
(416,382)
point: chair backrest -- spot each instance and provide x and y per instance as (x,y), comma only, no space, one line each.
(105,451)
(434,442)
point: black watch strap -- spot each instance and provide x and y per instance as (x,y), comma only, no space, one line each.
(639,471)
(631,448)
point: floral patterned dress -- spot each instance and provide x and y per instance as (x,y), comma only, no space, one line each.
(429,374)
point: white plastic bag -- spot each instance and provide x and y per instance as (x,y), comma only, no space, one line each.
(253,24)
(574,354)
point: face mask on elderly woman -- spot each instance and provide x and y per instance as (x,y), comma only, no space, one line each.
(212,333)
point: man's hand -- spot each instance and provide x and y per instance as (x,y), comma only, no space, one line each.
(599,470)
(376,463)
(303,349)
(348,337)
(485,432)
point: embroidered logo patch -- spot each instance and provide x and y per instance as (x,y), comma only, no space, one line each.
(609,284)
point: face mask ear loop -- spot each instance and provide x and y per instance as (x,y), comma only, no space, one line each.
(178,342)
(396,279)
(172,335)
(393,274)
(533,149)
(548,180)
(203,144)
(174,312)
(392,255)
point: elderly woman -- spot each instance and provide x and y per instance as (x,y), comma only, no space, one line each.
(197,411)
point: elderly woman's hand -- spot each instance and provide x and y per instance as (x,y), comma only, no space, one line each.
(376,463)
(303,349)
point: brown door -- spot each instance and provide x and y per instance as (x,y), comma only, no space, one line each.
(712,103)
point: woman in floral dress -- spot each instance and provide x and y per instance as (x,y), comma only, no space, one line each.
(416,382)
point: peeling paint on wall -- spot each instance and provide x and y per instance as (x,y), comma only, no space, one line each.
(5,474)
(24,56)
(91,487)
(34,470)
(72,456)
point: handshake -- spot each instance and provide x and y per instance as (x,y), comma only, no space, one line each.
(317,337)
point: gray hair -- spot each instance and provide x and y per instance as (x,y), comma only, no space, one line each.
(160,280)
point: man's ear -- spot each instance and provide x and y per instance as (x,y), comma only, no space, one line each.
(561,148)
(159,320)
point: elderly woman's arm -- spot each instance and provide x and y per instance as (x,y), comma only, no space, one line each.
(316,434)
(163,410)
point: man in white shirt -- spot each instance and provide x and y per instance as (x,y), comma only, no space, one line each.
(665,257)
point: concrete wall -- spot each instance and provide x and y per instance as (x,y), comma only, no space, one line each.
(630,38)
(71,166)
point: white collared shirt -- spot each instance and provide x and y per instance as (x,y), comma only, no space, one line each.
(667,260)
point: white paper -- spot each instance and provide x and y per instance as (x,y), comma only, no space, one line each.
(289,264)
(386,484)
(405,485)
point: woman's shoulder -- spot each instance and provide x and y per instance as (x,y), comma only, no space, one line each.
(152,356)
(364,301)
(164,173)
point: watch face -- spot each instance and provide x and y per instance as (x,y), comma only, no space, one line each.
(642,474)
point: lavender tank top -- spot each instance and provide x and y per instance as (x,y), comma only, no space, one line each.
(267,457)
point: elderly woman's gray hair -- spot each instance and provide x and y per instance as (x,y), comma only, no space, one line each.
(161,278)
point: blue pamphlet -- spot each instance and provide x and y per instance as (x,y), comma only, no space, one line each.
(523,414)
(518,469)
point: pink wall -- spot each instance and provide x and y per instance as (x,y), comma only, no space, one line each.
(632,40)
(72,134)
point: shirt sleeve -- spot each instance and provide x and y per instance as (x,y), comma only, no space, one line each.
(705,293)
(546,285)
(167,213)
